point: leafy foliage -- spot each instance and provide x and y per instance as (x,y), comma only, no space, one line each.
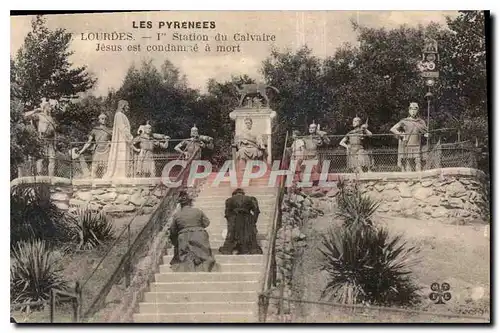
(92,228)
(34,272)
(42,67)
(367,266)
(354,207)
(35,216)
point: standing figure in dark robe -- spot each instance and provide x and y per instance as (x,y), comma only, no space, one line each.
(241,212)
(192,252)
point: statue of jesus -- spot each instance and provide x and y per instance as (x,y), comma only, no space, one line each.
(120,153)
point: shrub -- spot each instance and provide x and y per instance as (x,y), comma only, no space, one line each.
(33,215)
(366,265)
(34,272)
(355,208)
(92,228)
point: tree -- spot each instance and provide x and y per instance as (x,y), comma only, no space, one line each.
(43,69)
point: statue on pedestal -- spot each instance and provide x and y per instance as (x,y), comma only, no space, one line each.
(254,89)
(144,144)
(249,146)
(358,158)
(46,128)
(194,145)
(409,132)
(120,153)
(100,141)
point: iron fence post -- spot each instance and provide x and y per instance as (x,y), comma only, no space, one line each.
(52,305)
(127,266)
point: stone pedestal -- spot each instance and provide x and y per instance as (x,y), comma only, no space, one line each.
(262,124)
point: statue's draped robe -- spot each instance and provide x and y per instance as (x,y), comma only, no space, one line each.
(297,152)
(192,252)
(410,147)
(241,213)
(120,153)
(311,145)
(249,146)
(357,156)
(145,163)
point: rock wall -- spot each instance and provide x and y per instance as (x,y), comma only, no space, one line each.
(296,209)
(442,193)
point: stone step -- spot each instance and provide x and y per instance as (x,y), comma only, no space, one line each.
(220,206)
(209,276)
(193,307)
(225,268)
(226,191)
(198,317)
(245,285)
(219,235)
(229,259)
(201,296)
(222,198)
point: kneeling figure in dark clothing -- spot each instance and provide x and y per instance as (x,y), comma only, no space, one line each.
(192,252)
(241,212)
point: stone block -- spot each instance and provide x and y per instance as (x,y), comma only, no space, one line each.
(59,196)
(84,196)
(422,193)
(109,208)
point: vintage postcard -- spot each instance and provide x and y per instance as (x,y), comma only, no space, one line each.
(250,166)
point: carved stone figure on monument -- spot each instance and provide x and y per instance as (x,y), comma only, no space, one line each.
(120,153)
(409,132)
(99,140)
(194,144)
(358,159)
(46,128)
(254,89)
(144,144)
(249,146)
(313,141)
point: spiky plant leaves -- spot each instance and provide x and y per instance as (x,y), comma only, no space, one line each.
(366,265)
(34,272)
(92,228)
(35,216)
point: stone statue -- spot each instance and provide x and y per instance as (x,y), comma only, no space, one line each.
(249,146)
(100,140)
(46,128)
(297,152)
(120,153)
(358,158)
(409,132)
(144,144)
(254,89)
(195,143)
(312,142)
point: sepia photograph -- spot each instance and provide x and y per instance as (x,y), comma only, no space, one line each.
(250,167)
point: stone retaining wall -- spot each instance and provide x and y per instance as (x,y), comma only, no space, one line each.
(440,193)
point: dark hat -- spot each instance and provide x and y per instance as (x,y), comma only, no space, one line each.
(238,191)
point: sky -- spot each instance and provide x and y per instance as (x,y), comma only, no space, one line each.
(322,31)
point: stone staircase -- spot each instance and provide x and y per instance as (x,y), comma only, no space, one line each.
(228,295)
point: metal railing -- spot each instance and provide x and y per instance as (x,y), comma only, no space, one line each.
(75,298)
(269,281)
(380,154)
(135,247)
(59,159)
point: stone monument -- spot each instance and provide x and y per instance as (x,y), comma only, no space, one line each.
(260,115)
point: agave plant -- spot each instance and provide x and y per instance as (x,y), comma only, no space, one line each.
(354,207)
(34,272)
(366,265)
(92,228)
(35,216)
